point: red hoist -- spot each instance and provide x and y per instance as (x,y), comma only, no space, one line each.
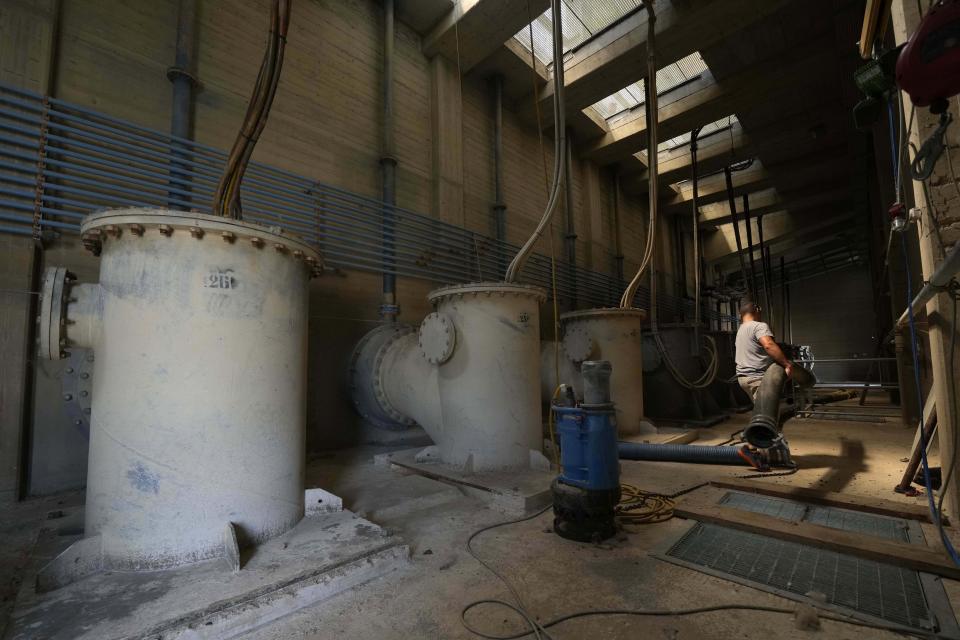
(929,65)
(928,69)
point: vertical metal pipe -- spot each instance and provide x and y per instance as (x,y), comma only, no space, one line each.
(783,296)
(653,140)
(499,206)
(680,259)
(570,235)
(731,199)
(753,272)
(617,244)
(768,281)
(697,262)
(389,310)
(182,77)
(763,271)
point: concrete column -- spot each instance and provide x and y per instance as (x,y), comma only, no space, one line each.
(17,259)
(33,26)
(447,129)
(945,199)
(595,257)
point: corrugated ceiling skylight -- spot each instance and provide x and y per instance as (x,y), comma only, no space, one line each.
(714,127)
(582,19)
(669,77)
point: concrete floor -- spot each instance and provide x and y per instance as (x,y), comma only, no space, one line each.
(556,576)
(553,575)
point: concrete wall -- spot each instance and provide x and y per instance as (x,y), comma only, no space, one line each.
(112,56)
(833,314)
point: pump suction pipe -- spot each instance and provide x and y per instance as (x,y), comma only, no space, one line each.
(389,309)
(652,110)
(626,301)
(559,147)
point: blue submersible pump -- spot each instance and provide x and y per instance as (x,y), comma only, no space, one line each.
(587,490)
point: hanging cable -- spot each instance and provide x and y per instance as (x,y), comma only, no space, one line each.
(694,168)
(713,358)
(709,374)
(553,259)
(936,513)
(652,111)
(226,200)
(559,146)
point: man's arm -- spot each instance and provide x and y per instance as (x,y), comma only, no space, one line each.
(775,352)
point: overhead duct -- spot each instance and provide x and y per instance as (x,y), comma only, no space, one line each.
(199,326)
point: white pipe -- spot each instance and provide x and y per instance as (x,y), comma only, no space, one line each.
(199,324)
(470,377)
(602,334)
(947,270)
(84,309)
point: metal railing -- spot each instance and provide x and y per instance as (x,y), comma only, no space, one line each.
(874,379)
(60,162)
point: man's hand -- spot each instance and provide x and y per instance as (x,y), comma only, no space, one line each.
(775,352)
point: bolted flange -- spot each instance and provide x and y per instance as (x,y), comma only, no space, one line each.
(53,317)
(578,344)
(437,338)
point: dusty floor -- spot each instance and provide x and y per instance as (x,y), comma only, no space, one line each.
(554,576)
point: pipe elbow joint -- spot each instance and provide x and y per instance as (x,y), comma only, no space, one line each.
(366,378)
(70,314)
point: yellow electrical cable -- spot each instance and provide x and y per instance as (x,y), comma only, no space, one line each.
(550,428)
(643,507)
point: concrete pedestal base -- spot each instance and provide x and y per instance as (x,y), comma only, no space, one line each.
(517,492)
(323,555)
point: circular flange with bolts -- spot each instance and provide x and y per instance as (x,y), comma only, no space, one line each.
(365,374)
(578,344)
(437,338)
(112,224)
(53,318)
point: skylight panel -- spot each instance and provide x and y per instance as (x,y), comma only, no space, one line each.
(582,19)
(722,124)
(668,78)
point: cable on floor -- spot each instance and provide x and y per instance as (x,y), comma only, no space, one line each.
(539,629)
(643,507)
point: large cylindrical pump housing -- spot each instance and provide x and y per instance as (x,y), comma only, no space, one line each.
(199,326)
(470,376)
(613,335)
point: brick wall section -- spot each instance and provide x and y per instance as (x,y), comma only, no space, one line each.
(944,186)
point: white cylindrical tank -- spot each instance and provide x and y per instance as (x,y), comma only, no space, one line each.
(490,387)
(470,376)
(199,400)
(602,334)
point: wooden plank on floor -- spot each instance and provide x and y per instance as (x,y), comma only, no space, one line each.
(682,438)
(880,506)
(913,556)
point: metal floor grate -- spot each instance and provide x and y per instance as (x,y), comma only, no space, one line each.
(865,523)
(794,570)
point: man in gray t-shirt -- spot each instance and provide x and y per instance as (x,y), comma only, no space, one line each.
(756,350)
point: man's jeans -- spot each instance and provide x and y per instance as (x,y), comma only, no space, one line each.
(750,384)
